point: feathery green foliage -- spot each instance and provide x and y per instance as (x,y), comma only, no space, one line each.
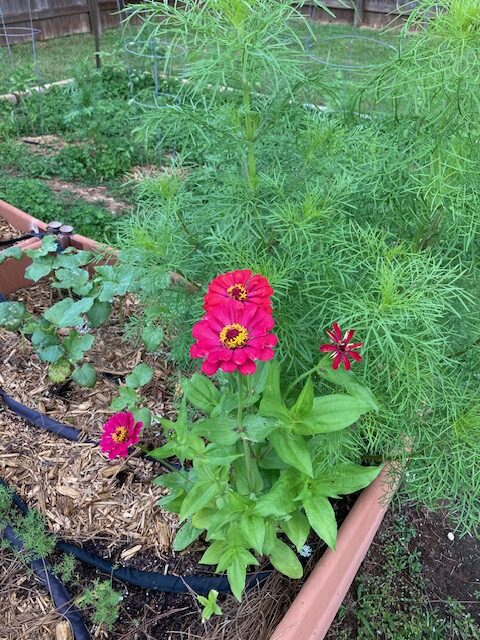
(370,221)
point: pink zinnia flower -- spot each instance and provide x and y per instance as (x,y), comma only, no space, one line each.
(341,348)
(231,337)
(241,287)
(119,433)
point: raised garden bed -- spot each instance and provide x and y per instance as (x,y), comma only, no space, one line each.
(110,508)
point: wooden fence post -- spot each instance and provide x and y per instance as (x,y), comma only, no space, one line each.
(96,27)
(358,13)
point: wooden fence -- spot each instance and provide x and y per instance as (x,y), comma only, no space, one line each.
(368,13)
(56,18)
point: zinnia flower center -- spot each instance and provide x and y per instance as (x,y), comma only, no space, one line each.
(237,292)
(120,435)
(234,336)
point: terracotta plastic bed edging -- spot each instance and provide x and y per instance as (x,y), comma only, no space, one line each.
(315,607)
(317,603)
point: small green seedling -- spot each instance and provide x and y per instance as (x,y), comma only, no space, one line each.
(210,606)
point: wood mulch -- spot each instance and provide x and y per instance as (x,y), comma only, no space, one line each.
(26,610)
(82,495)
(7,231)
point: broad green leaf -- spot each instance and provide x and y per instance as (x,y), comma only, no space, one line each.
(257,427)
(253,529)
(75,345)
(198,497)
(344,479)
(272,404)
(51,353)
(49,245)
(126,398)
(166,451)
(269,459)
(12,252)
(85,376)
(214,552)
(98,313)
(113,281)
(12,314)
(293,450)
(237,574)
(141,375)
(218,455)
(67,312)
(285,560)
(202,393)
(321,516)
(304,403)
(39,268)
(185,536)
(258,380)
(41,338)
(221,430)
(242,484)
(75,279)
(152,337)
(144,416)
(297,528)
(279,501)
(71,258)
(335,412)
(348,380)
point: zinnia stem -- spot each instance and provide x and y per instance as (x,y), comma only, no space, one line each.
(246,447)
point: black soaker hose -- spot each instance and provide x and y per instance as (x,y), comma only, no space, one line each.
(57,590)
(9,241)
(39,419)
(151,580)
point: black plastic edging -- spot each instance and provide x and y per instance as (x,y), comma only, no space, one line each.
(54,586)
(152,580)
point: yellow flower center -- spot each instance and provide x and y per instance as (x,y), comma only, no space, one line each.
(120,435)
(234,336)
(237,292)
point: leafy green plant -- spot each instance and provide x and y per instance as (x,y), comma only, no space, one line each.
(61,336)
(209,604)
(40,201)
(104,600)
(37,541)
(259,468)
(129,399)
(65,568)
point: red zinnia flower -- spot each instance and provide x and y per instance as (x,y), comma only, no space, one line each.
(230,337)
(119,433)
(342,349)
(241,287)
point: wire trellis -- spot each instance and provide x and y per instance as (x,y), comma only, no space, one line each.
(20,72)
(349,61)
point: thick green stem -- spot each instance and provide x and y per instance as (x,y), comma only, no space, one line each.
(250,137)
(246,446)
